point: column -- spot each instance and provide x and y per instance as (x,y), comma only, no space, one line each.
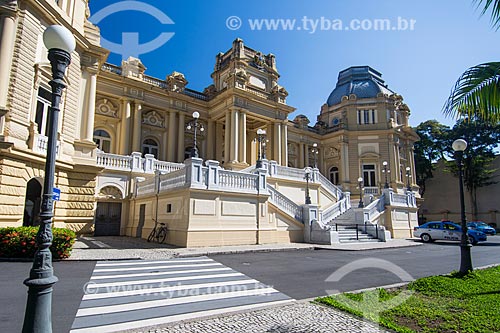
(306,155)
(171,136)
(301,156)
(394,174)
(284,144)
(243,138)
(136,138)
(91,97)
(227,135)
(344,157)
(411,159)
(234,135)
(181,145)
(219,142)
(163,153)
(270,144)
(211,140)
(125,128)
(277,143)
(7,39)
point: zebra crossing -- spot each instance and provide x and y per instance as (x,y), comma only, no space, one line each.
(124,295)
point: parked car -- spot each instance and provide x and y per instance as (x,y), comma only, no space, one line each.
(481,226)
(446,230)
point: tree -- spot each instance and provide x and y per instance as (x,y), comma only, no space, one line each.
(482,138)
(428,150)
(477,91)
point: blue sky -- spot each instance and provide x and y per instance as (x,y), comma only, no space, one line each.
(422,65)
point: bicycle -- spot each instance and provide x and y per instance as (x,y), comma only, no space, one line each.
(159,234)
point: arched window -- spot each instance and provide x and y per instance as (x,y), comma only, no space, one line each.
(150,146)
(334,175)
(102,140)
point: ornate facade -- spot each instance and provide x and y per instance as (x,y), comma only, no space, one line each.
(122,130)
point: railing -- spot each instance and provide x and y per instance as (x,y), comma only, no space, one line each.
(257,92)
(167,167)
(403,200)
(337,209)
(173,180)
(154,81)
(285,204)
(114,162)
(111,68)
(371,190)
(366,228)
(146,187)
(195,94)
(374,209)
(293,173)
(237,181)
(135,163)
(41,143)
(337,192)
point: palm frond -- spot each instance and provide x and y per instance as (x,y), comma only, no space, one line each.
(476,93)
(495,10)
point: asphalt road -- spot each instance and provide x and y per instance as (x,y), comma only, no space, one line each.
(299,274)
(303,274)
(67,293)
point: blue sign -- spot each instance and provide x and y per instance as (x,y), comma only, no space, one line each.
(56,194)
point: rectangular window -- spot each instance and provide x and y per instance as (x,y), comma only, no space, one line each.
(366,117)
(42,110)
(169,208)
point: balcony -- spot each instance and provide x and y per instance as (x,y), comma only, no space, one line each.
(135,163)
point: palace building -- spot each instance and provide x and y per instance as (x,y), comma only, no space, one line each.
(127,156)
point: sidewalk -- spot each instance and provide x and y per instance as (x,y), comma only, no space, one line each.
(122,248)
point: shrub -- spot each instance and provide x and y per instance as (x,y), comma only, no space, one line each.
(20,242)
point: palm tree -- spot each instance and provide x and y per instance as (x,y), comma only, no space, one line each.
(477,91)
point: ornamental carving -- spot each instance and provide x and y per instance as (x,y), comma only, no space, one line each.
(106,108)
(153,118)
(110,192)
(332,152)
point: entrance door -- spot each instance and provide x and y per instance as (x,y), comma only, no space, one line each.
(108,218)
(32,203)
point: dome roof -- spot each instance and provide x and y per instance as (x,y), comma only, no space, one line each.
(363,81)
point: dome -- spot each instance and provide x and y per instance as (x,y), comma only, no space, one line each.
(362,81)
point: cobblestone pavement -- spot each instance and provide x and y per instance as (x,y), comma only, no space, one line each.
(300,317)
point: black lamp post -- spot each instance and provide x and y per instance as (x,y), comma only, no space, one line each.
(315,152)
(459,146)
(308,177)
(361,188)
(260,139)
(38,316)
(408,176)
(194,124)
(386,172)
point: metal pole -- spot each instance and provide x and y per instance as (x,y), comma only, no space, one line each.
(308,197)
(194,151)
(38,315)
(465,255)
(259,155)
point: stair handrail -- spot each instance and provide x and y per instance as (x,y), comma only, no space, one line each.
(337,209)
(286,205)
(334,189)
(374,209)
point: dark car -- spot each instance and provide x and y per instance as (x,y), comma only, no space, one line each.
(481,226)
(446,230)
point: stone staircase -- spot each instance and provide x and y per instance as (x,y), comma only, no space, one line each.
(345,225)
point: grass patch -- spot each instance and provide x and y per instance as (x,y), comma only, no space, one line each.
(436,304)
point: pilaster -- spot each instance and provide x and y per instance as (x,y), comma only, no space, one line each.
(136,138)
(181,145)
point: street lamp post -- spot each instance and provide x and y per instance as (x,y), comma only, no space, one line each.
(194,124)
(361,188)
(308,177)
(38,316)
(408,176)
(386,172)
(459,146)
(315,152)
(260,139)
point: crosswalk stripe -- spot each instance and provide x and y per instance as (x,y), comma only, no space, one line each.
(149,290)
(152,267)
(135,294)
(185,278)
(105,277)
(165,320)
(129,263)
(172,301)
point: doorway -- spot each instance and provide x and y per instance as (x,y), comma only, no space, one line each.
(32,203)
(108,219)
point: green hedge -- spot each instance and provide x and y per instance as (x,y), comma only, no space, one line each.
(20,242)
